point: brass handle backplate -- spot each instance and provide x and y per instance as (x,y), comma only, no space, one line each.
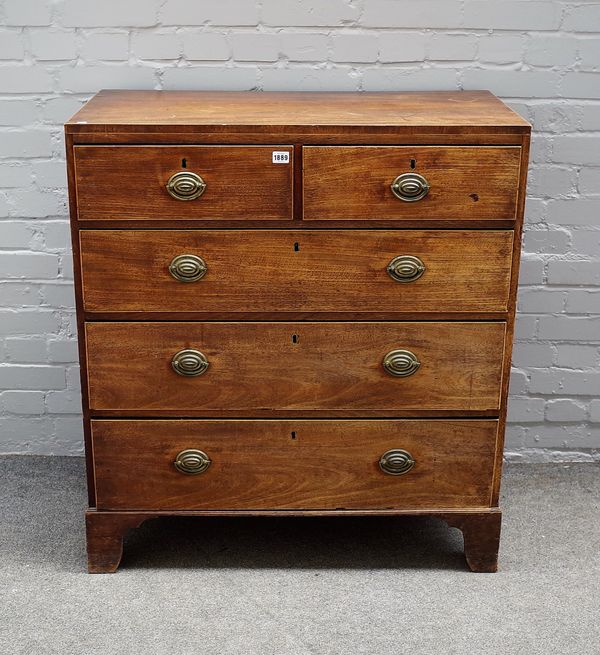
(410,187)
(405,268)
(192,462)
(401,363)
(186,186)
(187,268)
(189,363)
(396,462)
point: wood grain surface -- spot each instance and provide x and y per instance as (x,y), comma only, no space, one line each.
(293,464)
(295,271)
(470,183)
(242,182)
(187,111)
(293,367)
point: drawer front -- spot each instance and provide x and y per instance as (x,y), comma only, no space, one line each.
(256,368)
(461,183)
(293,464)
(295,271)
(235,183)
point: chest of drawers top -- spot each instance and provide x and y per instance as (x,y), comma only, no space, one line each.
(111,114)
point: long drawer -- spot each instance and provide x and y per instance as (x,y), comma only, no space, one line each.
(463,183)
(350,464)
(253,369)
(236,183)
(245,272)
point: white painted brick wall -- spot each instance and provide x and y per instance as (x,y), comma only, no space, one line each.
(541,56)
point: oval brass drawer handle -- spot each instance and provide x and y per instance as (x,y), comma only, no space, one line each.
(396,462)
(192,462)
(410,187)
(405,268)
(186,186)
(188,268)
(189,363)
(401,363)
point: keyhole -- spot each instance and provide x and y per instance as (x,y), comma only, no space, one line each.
(293,435)
(296,247)
(184,163)
(413,163)
(295,338)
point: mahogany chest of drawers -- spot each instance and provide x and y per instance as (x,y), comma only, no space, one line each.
(295,304)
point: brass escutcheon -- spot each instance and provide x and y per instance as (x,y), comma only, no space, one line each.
(192,461)
(401,363)
(189,363)
(410,187)
(186,186)
(396,462)
(187,268)
(405,268)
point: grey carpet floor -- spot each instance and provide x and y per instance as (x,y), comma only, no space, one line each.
(299,586)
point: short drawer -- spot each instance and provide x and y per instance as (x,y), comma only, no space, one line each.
(234,183)
(404,182)
(300,271)
(255,369)
(293,464)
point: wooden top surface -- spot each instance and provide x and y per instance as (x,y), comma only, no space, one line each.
(442,111)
